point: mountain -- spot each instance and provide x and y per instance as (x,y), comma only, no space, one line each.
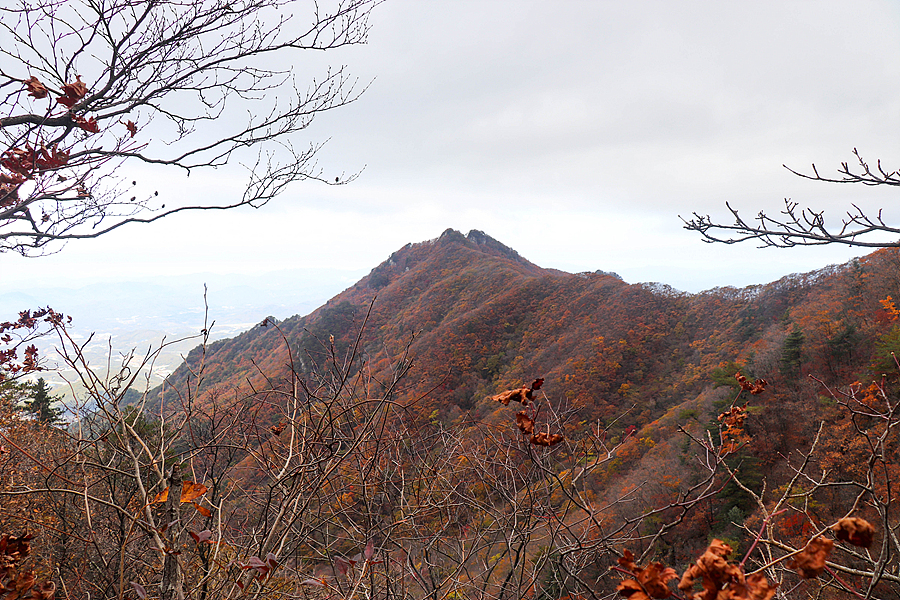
(377,428)
(478,318)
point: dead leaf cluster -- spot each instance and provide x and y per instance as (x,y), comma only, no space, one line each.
(524,422)
(725,580)
(810,562)
(190,492)
(649,581)
(721,579)
(755,388)
(13,583)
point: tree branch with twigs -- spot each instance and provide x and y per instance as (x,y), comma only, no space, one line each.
(799,226)
(87,88)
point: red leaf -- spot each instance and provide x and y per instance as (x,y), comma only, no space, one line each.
(202,537)
(73,92)
(89,125)
(132,128)
(342,565)
(51,159)
(139,590)
(202,510)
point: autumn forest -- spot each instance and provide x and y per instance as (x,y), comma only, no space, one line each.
(459,424)
(462,423)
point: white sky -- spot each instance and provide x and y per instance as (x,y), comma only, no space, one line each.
(574,132)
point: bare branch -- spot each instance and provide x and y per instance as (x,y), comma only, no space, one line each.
(797,226)
(192,85)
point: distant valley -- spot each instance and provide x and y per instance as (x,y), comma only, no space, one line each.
(139,313)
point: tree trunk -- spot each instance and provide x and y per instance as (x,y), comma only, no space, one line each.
(170,588)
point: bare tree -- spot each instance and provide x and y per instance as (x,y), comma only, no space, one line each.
(798,226)
(86,86)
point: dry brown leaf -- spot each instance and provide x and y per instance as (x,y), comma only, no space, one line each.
(755,388)
(858,532)
(810,562)
(734,417)
(714,571)
(759,588)
(649,582)
(190,491)
(73,92)
(520,395)
(525,423)
(631,589)
(546,439)
(627,561)
(35,88)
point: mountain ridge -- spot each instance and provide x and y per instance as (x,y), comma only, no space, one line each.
(478,317)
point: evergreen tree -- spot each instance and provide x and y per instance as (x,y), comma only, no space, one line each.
(792,354)
(41,404)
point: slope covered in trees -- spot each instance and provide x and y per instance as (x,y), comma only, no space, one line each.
(369,449)
(478,318)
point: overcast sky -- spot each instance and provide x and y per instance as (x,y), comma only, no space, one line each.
(574,132)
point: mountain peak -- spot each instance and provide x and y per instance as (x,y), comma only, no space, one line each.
(482,241)
(475,243)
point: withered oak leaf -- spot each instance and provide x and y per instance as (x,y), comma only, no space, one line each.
(546,439)
(810,562)
(525,423)
(649,581)
(756,388)
(754,587)
(35,88)
(858,532)
(522,394)
(714,571)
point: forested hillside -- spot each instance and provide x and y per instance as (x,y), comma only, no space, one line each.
(478,318)
(366,450)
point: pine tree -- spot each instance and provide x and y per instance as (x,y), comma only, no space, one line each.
(41,404)
(792,354)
